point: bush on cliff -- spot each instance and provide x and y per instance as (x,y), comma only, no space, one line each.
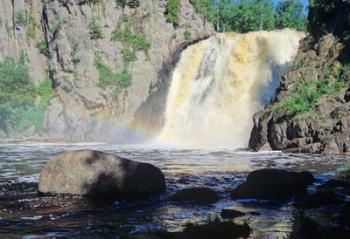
(108,78)
(173,11)
(19,107)
(309,92)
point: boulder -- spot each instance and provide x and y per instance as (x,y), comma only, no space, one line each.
(100,175)
(231,213)
(196,195)
(273,184)
(318,199)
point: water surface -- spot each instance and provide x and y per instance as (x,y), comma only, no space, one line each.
(25,214)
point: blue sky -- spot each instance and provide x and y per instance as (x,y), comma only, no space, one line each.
(305,2)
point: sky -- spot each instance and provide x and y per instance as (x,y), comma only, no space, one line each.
(305,2)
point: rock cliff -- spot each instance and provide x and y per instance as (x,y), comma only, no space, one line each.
(104,60)
(311,112)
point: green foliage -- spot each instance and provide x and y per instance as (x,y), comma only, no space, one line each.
(173,11)
(14,78)
(308,93)
(83,2)
(109,78)
(187,35)
(43,47)
(31,31)
(33,115)
(290,14)
(124,78)
(57,25)
(95,29)
(205,8)
(19,109)
(130,3)
(121,3)
(321,13)
(127,36)
(252,15)
(128,55)
(245,16)
(22,18)
(74,53)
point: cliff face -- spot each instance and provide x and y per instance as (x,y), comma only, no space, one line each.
(104,60)
(311,112)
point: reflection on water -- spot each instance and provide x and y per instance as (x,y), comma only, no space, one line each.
(23,213)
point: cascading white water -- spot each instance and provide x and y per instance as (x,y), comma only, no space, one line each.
(219,83)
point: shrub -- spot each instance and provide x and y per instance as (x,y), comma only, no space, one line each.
(130,3)
(127,36)
(124,78)
(83,2)
(133,3)
(309,92)
(18,110)
(58,24)
(95,29)
(74,53)
(31,31)
(109,78)
(34,115)
(187,35)
(128,55)
(121,3)
(173,11)
(43,47)
(205,8)
(22,18)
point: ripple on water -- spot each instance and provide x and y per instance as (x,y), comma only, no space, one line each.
(23,213)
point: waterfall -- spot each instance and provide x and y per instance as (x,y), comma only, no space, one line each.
(219,83)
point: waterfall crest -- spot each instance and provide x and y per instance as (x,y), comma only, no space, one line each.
(219,83)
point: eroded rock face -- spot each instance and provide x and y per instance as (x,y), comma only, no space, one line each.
(82,109)
(273,184)
(100,175)
(324,128)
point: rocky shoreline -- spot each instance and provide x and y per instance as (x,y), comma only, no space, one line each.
(322,211)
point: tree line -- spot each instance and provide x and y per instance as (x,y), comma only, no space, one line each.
(252,15)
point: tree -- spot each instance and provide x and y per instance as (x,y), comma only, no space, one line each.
(205,8)
(245,15)
(289,13)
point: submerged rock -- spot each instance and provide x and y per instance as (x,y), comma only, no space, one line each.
(318,199)
(231,213)
(273,184)
(100,175)
(214,229)
(196,195)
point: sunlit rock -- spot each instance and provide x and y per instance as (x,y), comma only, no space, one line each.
(100,175)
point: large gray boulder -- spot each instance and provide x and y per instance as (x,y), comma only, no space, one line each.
(100,175)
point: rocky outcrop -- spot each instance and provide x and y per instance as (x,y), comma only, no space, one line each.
(72,39)
(325,213)
(273,184)
(324,127)
(101,176)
